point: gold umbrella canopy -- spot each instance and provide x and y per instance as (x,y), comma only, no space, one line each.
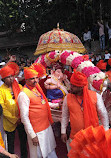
(58,39)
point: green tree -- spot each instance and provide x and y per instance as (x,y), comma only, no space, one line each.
(10,18)
(41,16)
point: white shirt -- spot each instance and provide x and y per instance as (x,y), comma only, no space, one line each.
(87,36)
(98,58)
(109,31)
(107,56)
(100,109)
(20,74)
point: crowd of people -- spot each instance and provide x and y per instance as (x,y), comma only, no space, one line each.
(99,31)
(24,87)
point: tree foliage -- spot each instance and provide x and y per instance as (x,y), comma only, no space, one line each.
(40,16)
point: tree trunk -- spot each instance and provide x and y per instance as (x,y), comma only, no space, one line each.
(100,10)
(110,9)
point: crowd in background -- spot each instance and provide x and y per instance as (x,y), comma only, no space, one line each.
(99,31)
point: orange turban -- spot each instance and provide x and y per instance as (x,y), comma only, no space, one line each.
(78,79)
(10,69)
(101,65)
(90,114)
(39,68)
(29,73)
(35,69)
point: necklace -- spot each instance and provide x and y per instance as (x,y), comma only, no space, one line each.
(81,104)
(38,95)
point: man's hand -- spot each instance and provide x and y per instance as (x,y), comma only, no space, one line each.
(12,58)
(14,156)
(64,137)
(35,141)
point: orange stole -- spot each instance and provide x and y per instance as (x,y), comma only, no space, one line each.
(76,114)
(38,113)
(1,141)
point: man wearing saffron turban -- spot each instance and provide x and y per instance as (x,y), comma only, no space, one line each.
(82,106)
(35,114)
(8,99)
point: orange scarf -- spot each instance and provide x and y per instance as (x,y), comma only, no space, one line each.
(90,114)
(16,90)
(44,97)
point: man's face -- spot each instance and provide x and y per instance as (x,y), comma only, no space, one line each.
(32,81)
(76,90)
(8,80)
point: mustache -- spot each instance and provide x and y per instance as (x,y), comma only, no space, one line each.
(34,82)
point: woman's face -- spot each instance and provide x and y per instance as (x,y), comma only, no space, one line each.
(58,73)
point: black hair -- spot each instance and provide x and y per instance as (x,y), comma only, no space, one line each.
(1,110)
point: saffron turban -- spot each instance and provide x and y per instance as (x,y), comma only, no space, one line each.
(78,79)
(30,73)
(10,69)
(39,68)
(35,69)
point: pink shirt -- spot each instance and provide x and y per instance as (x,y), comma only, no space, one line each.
(101,29)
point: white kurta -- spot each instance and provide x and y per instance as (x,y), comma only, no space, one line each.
(46,137)
(102,112)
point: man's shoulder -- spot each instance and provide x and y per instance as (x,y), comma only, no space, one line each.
(20,86)
(69,94)
(26,91)
(92,94)
(22,95)
(3,87)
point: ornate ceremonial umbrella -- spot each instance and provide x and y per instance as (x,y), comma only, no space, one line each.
(58,39)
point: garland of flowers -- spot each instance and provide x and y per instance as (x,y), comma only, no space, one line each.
(83,64)
(48,58)
(77,61)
